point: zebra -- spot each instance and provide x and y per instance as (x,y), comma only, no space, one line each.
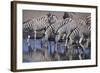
(72,23)
(51,33)
(39,23)
(53,30)
(65,29)
(74,30)
(77,35)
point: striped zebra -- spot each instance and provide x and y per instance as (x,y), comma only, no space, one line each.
(83,31)
(65,29)
(81,37)
(36,27)
(57,30)
(53,29)
(51,33)
(75,32)
(39,23)
(72,23)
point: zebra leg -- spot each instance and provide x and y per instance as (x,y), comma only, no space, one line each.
(83,48)
(66,43)
(79,54)
(70,54)
(42,43)
(49,47)
(70,57)
(56,50)
(80,57)
(80,43)
(88,43)
(67,47)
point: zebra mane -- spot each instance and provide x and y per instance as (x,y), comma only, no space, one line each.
(64,23)
(39,18)
(27,21)
(34,18)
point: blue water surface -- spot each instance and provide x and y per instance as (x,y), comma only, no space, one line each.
(37,44)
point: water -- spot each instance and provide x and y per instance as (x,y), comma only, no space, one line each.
(37,44)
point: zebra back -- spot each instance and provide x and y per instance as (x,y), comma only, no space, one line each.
(57,25)
(39,22)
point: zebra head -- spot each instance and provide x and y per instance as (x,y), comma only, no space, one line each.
(52,18)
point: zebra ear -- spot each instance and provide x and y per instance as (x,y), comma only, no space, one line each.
(66,15)
(49,14)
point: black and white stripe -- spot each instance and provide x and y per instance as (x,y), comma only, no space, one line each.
(81,37)
(52,30)
(39,23)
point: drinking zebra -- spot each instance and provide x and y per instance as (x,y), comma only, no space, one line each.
(80,32)
(80,36)
(75,32)
(51,33)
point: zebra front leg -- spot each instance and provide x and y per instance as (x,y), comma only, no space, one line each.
(56,47)
(80,43)
(88,43)
(83,48)
(56,51)
(70,57)
(80,55)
